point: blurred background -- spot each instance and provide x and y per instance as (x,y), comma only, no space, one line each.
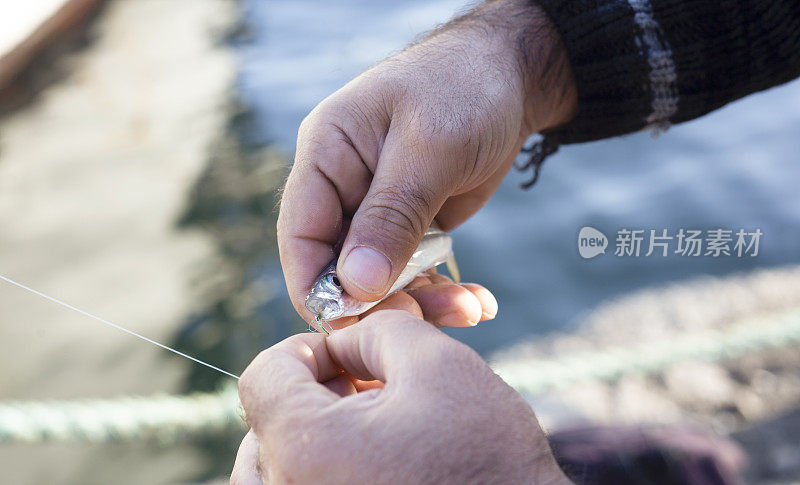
(141,146)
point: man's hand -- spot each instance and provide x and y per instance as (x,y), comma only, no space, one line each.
(436,299)
(388,400)
(427,134)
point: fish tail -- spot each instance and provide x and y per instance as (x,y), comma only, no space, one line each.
(452,267)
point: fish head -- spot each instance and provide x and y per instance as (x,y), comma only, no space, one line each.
(327,298)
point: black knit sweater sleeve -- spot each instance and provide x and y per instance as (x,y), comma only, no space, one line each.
(650,63)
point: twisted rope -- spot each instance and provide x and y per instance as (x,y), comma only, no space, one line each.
(534,376)
(165,419)
(169,419)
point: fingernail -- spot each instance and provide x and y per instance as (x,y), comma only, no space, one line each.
(489,316)
(454,318)
(368,269)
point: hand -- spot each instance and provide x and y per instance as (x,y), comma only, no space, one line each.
(437,299)
(427,134)
(438,414)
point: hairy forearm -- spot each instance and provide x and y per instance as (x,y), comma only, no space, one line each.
(518,35)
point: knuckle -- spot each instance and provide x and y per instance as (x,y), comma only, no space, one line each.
(452,133)
(251,383)
(442,130)
(442,142)
(248,380)
(307,125)
(403,211)
(315,122)
(365,110)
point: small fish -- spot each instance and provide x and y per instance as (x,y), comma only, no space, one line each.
(328,300)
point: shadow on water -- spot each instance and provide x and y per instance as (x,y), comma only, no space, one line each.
(243,307)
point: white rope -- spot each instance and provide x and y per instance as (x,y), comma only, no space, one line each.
(171,418)
(166,419)
(534,376)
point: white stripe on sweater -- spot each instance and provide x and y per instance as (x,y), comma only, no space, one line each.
(662,67)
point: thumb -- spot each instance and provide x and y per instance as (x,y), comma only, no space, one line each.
(405,194)
(390,346)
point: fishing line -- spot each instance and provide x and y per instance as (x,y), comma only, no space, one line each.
(130,332)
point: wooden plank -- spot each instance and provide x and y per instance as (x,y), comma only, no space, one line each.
(28,27)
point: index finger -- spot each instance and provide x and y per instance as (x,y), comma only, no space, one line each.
(327,182)
(284,380)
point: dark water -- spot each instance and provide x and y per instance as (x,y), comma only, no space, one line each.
(738,168)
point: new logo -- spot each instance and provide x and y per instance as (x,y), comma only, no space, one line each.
(591,242)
